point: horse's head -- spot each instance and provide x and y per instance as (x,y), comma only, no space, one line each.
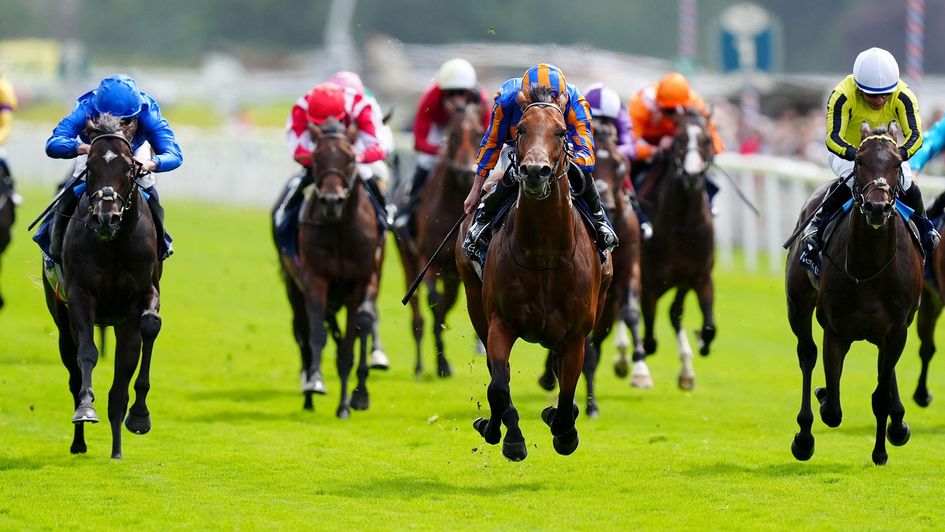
(691,152)
(610,167)
(462,143)
(877,172)
(541,141)
(335,170)
(111,173)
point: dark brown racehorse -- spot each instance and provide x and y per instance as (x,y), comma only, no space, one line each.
(542,280)
(869,288)
(681,252)
(7,214)
(338,242)
(440,205)
(930,309)
(610,170)
(111,275)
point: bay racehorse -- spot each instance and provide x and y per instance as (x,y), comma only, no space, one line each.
(543,280)
(339,240)
(440,204)
(610,170)
(681,252)
(869,288)
(930,309)
(110,276)
(7,213)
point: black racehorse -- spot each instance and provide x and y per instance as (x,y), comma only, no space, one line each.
(7,213)
(869,289)
(110,276)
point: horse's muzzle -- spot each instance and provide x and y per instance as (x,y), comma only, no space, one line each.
(877,212)
(333,206)
(536,180)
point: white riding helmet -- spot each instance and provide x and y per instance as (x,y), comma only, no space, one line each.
(456,74)
(604,101)
(876,71)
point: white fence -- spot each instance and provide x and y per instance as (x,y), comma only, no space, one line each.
(249,167)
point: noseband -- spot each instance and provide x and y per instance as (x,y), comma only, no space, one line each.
(347,178)
(565,156)
(108,193)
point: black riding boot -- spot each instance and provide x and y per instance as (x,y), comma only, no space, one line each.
(375,190)
(927,232)
(165,249)
(407,212)
(838,193)
(938,207)
(606,237)
(646,228)
(477,237)
(61,214)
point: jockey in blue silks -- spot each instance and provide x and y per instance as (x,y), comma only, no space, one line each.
(119,96)
(932,145)
(499,139)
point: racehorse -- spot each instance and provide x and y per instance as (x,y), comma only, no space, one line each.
(7,213)
(543,280)
(440,205)
(930,308)
(610,170)
(338,245)
(681,252)
(869,289)
(110,276)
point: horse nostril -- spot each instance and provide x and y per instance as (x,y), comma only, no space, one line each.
(523,170)
(114,220)
(868,207)
(887,208)
(545,172)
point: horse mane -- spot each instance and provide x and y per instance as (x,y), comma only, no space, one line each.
(540,93)
(105,123)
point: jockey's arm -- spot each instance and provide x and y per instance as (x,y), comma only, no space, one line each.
(911,124)
(933,142)
(64,142)
(498,130)
(639,119)
(298,136)
(838,108)
(167,153)
(625,141)
(367,137)
(578,118)
(424,121)
(6,124)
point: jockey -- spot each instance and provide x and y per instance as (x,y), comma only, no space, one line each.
(501,131)
(932,145)
(378,170)
(8,104)
(873,94)
(454,87)
(119,96)
(606,106)
(651,110)
(324,101)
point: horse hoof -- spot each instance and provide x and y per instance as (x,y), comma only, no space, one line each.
(687,382)
(898,436)
(649,345)
(547,382)
(85,414)
(443,369)
(566,443)
(514,451)
(830,418)
(548,415)
(705,337)
(116,456)
(78,448)
(922,399)
(592,411)
(343,412)
(621,368)
(802,448)
(360,399)
(308,405)
(379,360)
(482,427)
(880,457)
(138,424)
(315,384)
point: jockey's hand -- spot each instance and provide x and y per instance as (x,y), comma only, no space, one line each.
(83,149)
(147,165)
(665,143)
(472,200)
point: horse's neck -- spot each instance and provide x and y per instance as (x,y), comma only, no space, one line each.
(868,249)
(678,204)
(545,227)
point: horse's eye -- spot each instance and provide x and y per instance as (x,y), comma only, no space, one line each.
(563,133)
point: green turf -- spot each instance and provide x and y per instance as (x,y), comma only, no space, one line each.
(232,448)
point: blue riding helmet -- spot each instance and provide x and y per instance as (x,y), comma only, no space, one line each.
(119,96)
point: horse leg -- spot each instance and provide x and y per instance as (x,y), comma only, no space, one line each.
(648,300)
(437,304)
(68,352)
(501,409)
(315,308)
(591,359)
(835,350)
(929,310)
(705,293)
(561,418)
(547,380)
(630,316)
(800,311)
(621,343)
(889,354)
(447,302)
(365,319)
(300,332)
(82,323)
(127,349)
(898,431)
(687,374)
(138,420)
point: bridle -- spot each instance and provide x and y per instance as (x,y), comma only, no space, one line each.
(561,164)
(678,156)
(108,193)
(880,183)
(347,178)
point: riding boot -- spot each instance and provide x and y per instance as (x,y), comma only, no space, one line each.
(838,194)
(60,220)
(375,191)
(928,234)
(165,249)
(477,237)
(711,189)
(285,215)
(7,184)
(937,209)
(646,228)
(606,237)
(405,218)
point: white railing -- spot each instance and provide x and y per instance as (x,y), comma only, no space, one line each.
(250,167)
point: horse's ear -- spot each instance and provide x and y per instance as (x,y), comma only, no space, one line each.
(386,118)
(352,133)
(895,131)
(522,100)
(865,130)
(89,129)
(562,102)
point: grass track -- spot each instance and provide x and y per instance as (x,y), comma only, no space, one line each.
(232,448)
